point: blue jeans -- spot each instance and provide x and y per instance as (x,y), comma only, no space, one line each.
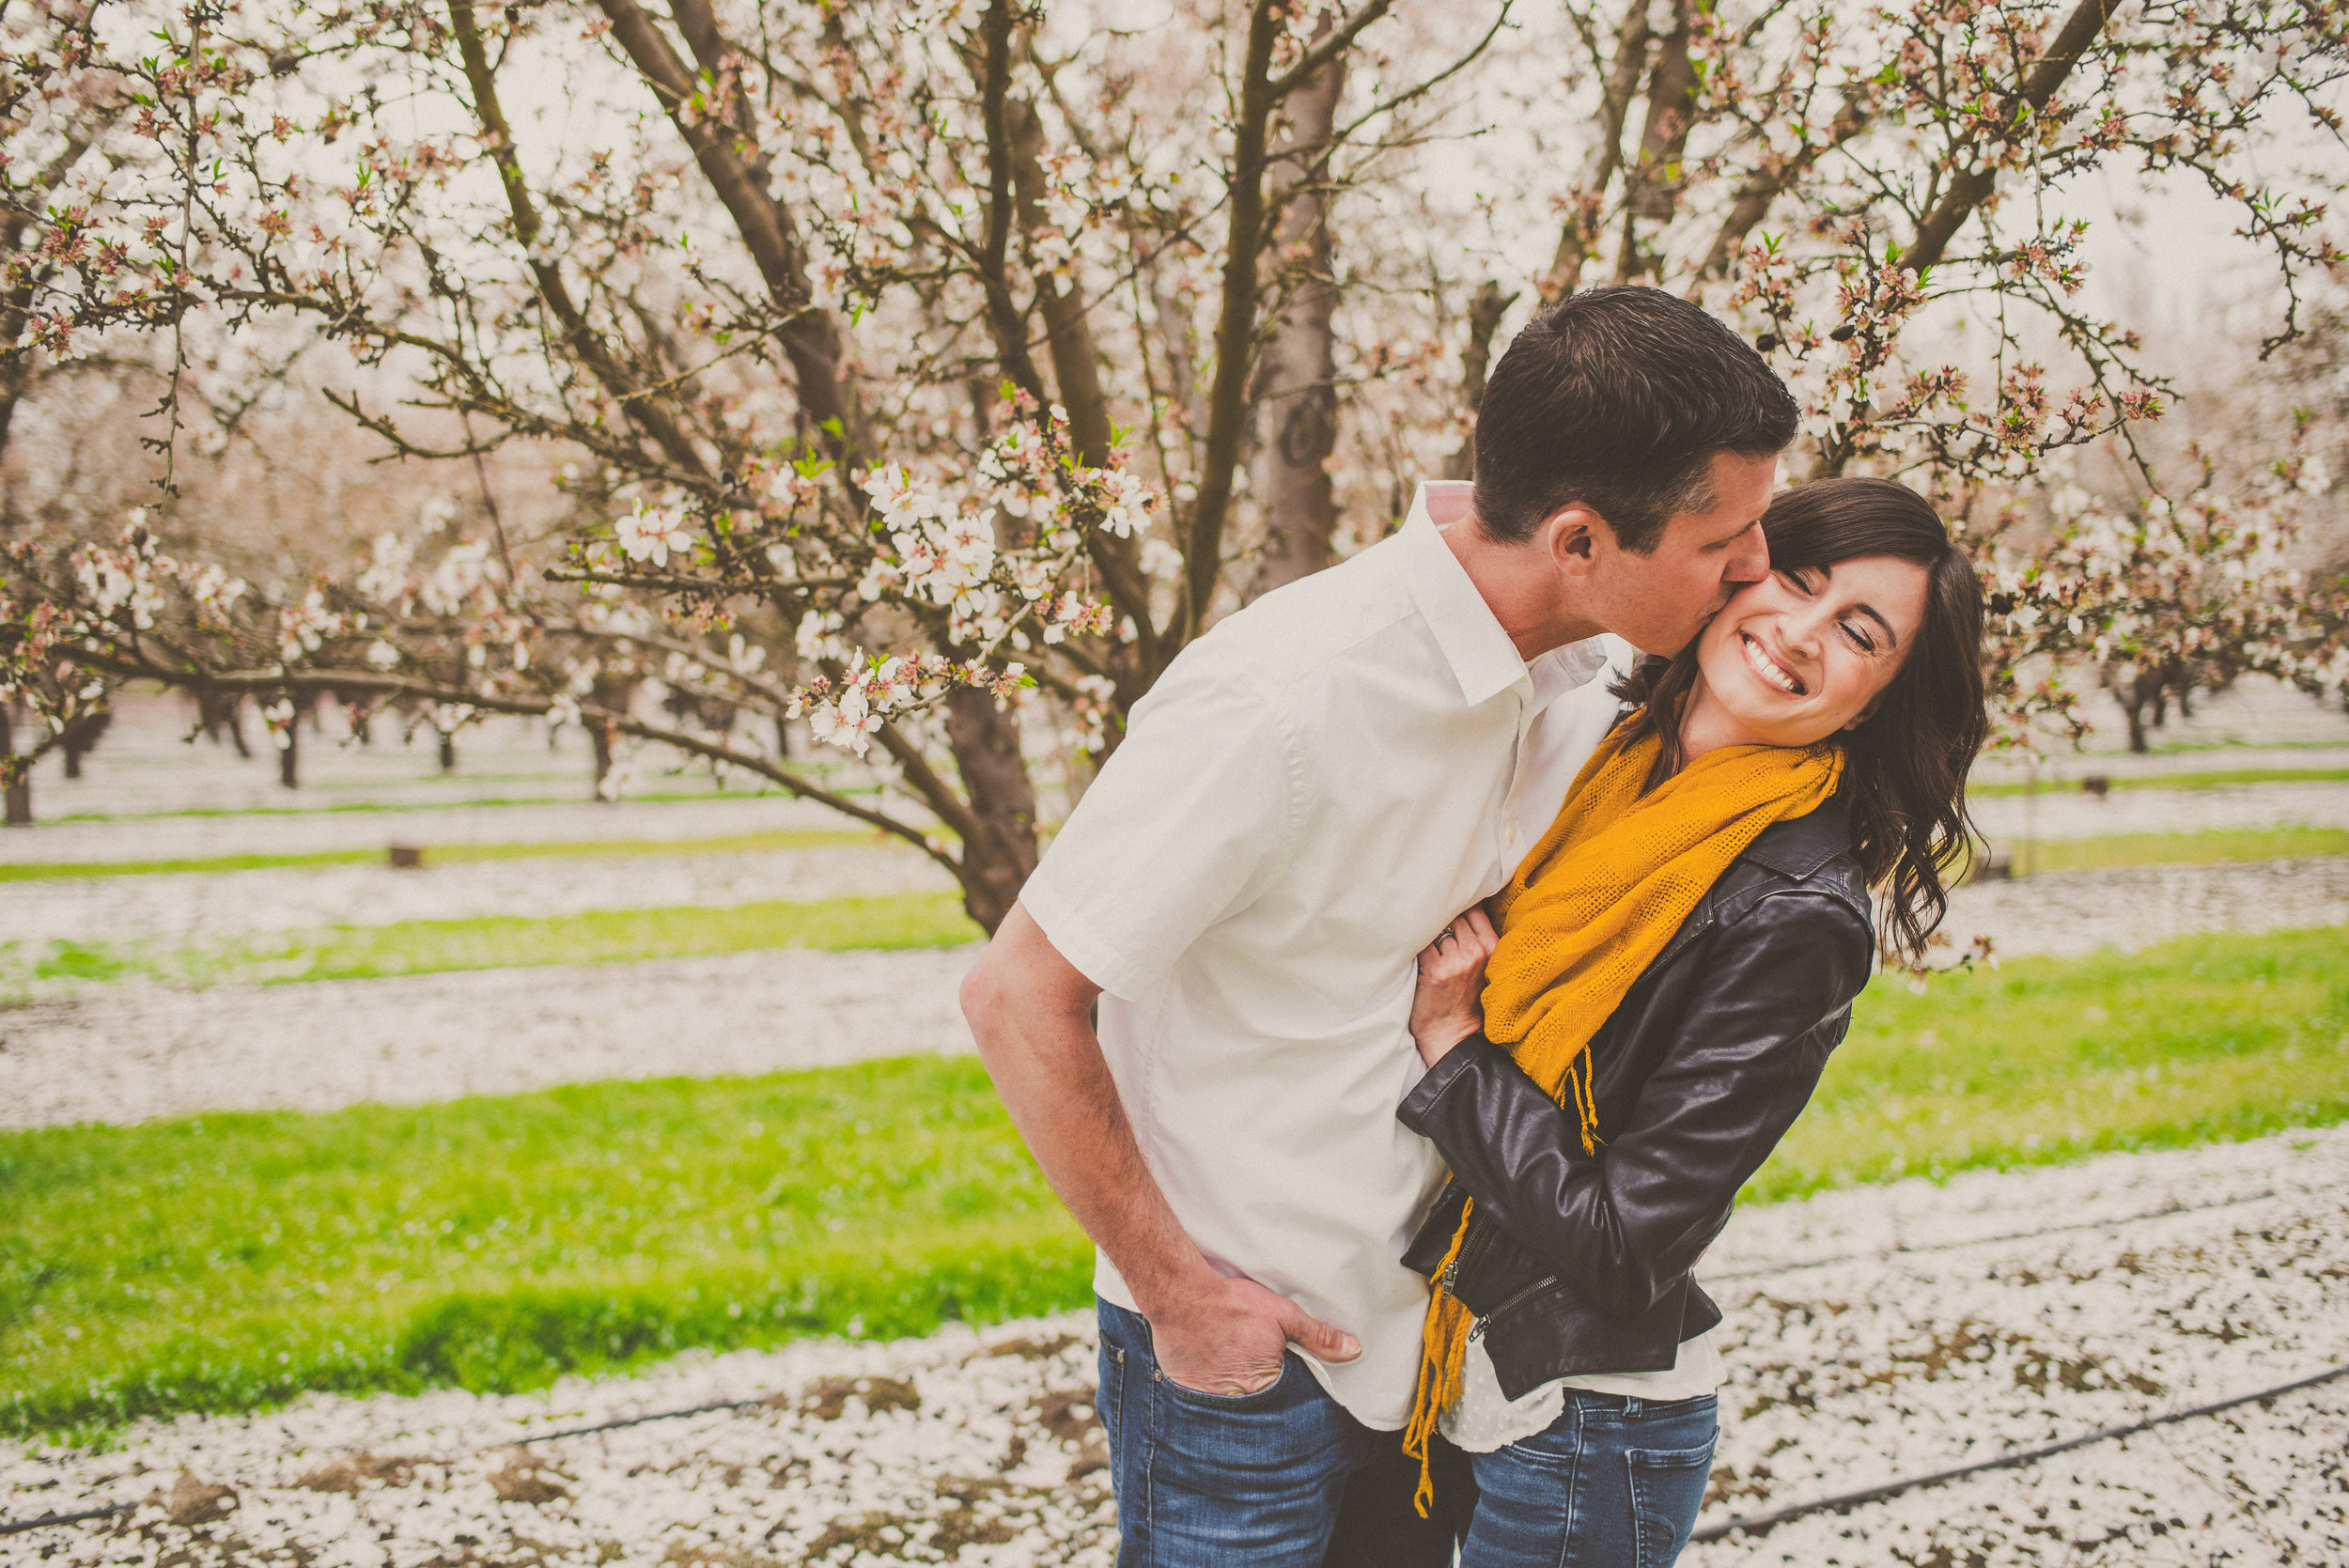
(1614,1483)
(1283,1478)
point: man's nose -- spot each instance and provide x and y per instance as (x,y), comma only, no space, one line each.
(1751,562)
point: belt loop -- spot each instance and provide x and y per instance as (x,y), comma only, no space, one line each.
(1631,1408)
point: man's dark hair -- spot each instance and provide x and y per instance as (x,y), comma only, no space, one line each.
(1621,399)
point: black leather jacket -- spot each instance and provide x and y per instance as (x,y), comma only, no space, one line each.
(1576,1264)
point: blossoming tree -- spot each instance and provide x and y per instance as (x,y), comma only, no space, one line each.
(923,366)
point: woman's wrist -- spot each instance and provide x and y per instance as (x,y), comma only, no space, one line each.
(1438,1040)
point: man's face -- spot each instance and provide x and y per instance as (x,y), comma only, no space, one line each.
(1658,601)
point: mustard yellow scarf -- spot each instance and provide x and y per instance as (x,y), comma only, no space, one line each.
(1592,906)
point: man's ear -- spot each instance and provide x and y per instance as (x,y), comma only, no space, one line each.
(1574,535)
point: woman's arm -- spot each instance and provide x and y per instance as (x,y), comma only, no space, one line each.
(1622,1227)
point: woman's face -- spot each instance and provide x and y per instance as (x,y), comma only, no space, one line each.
(1806,651)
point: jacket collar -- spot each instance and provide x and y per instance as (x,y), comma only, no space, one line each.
(1800,847)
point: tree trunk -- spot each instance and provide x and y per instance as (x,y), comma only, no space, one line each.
(1296,378)
(2133,707)
(1000,850)
(1653,184)
(600,737)
(17,774)
(218,711)
(448,751)
(289,754)
(81,737)
(1485,313)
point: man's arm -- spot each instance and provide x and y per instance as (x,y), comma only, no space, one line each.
(1031,1013)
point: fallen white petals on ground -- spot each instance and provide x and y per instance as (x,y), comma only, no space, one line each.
(128,1053)
(2073,913)
(964,1448)
(194,906)
(1847,1374)
(1947,1340)
(2066,812)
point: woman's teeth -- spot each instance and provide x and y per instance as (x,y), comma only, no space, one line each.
(1768,669)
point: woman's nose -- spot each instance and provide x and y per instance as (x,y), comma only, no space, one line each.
(1803,628)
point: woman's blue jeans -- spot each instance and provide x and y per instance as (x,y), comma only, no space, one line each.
(1614,1483)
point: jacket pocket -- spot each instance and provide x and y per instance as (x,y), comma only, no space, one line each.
(1510,1304)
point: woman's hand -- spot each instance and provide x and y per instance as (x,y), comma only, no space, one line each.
(1446,1009)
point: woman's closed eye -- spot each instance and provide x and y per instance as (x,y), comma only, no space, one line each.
(1807,580)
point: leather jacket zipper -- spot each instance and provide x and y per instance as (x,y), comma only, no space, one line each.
(1476,1330)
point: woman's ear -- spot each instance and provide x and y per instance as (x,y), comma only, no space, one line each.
(1866,713)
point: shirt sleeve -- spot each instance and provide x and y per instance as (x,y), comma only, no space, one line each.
(1181,828)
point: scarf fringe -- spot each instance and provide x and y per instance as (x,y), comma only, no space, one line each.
(1442,1352)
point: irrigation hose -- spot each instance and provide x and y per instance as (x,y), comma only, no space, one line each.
(1751,1526)
(1884,1253)
(17,1526)
(1759,1523)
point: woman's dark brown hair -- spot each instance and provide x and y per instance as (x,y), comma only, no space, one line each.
(1904,776)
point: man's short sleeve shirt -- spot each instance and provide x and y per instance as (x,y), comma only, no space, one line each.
(1308,795)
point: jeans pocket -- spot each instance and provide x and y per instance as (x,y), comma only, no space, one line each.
(1110,1402)
(1667,1491)
(1254,1399)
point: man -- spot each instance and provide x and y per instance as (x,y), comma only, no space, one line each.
(1310,793)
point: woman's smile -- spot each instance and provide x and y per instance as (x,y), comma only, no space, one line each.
(1769,669)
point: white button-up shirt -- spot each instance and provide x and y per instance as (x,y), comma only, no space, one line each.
(1310,793)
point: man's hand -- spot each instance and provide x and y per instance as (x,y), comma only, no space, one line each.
(1228,1337)
(1031,1013)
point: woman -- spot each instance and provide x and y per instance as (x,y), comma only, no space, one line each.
(1670,967)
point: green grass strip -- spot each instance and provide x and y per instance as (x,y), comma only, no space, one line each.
(2217,779)
(643,797)
(229,1262)
(509,941)
(2105,852)
(2209,847)
(2209,1038)
(450,854)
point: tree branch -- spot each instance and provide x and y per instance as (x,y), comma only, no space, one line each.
(1969,190)
(647,414)
(1235,321)
(1614,109)
(811,339)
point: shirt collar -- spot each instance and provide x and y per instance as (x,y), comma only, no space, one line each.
(1568,669)
(1483,659)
